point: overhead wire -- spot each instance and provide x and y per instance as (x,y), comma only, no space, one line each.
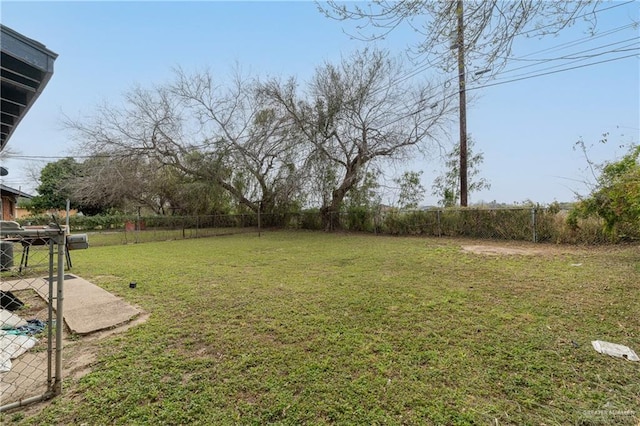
(587,38)
(551,72)
(569,56)
(428,64)
(527,76)
(593,12)
(572,58)
(581,41)
(471,88)
(568,44)
(531,74)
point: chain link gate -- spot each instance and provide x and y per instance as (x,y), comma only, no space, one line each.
(32,323)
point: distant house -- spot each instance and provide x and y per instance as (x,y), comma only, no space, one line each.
(10,202)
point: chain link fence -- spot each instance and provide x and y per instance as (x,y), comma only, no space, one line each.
(502,224)
(115,230)
(31,274)
(534,224)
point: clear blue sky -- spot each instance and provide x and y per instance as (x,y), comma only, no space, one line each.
(526,129)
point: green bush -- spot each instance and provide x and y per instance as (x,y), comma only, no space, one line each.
(78,223)
(393,223)
(310,219)
(359,219)
(551,224)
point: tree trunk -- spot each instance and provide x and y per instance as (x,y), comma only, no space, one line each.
(330,218)
(331,213)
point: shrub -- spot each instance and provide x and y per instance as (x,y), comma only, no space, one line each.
(551,224)
(311,219)
(359,219)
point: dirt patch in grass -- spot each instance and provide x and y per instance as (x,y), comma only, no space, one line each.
(34,305)
(498,250)
(522,248)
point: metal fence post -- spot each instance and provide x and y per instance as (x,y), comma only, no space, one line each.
(50,322)
(137,227)
(533,224)
(57,386)
(259,219)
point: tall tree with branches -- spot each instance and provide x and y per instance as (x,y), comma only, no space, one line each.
(54,188)
(357,112)
(218,132)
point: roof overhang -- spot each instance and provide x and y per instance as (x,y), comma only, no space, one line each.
(5,190)
(25,69)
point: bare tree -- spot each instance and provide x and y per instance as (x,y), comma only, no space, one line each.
(124,183)
(482,32)
(5,154)
(356,112)
(254,135)
(213,132)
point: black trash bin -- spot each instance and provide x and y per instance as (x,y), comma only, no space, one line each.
(6,255)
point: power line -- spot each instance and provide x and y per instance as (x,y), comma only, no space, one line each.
(538,75)
(569,56)
(576,60)
(593,12)
(573,55)
(446,97)
(568,44)
(551,72)
(537,72)
(59,157)
(562,47)
(422,68)
(584,40)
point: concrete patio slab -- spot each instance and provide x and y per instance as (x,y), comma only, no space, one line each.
(86,307)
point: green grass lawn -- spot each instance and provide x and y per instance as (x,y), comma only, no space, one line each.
(314,328)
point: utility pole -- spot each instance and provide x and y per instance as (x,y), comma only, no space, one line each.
(463,105)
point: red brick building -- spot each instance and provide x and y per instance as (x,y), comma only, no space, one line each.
(10,201)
